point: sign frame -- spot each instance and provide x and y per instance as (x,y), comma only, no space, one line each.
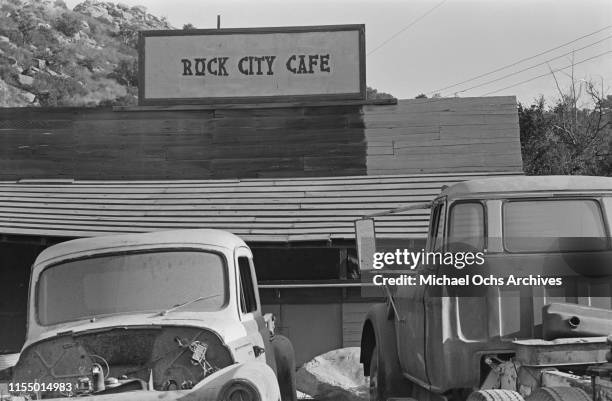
(360,95)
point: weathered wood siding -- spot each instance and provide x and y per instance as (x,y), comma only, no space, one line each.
(429,135)
(202,144)
(352,322)
(441,135)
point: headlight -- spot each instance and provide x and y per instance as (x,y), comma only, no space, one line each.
(240,390)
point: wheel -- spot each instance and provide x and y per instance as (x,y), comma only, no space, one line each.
(495,395)
(559,394)
(377,380)
(285,367)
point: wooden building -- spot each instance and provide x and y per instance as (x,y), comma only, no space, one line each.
(289,179)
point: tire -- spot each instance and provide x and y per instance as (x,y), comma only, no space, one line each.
(559,394)
(377,378)
(284,357)
(495,395)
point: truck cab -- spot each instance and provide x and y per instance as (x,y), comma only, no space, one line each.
(547,258)
(171,314)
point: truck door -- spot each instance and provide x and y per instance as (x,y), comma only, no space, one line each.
(411,325)
(250,307)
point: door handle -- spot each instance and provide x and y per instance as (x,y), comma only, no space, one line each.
(258,350)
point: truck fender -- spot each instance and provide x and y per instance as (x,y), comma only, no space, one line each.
(284,356)
(379,331)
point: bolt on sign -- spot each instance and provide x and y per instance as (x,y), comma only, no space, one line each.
(252,65)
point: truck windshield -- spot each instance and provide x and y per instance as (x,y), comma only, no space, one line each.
(132,282)
(554,226)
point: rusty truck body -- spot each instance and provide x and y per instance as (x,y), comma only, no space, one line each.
(164,315)
(503,342)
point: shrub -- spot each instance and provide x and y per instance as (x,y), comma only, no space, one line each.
(25,24)
(43,37)
(67,24)
(8,75)
(126,72)
(128,33)
(56,91)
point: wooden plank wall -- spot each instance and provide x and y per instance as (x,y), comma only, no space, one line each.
(352,321)
(201,144)
(414,136)
(442,135)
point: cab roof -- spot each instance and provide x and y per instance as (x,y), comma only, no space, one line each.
(530,184)
(192,237)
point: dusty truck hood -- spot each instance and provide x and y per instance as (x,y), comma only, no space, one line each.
(259,375)
(230,331)
(142,348)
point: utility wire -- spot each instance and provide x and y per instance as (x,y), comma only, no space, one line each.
(407,26)
(533,66)
(552,71)
(520,61)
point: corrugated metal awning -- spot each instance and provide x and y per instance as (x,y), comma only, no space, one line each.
(263,210)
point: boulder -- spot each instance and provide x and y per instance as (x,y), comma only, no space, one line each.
(25,80)
(336,375)
(4,39)
(39,63)
(60,4)
(94,10)
(139,9)
(11,96)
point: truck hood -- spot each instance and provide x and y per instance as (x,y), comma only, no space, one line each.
(229,330)
(173,352)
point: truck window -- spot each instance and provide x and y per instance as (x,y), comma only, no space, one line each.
(466,225)
(248,302)
(553,226)
(436,232)
(129,283)
(439,229)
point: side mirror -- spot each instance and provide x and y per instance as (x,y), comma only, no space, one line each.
(365,238)
(270,321)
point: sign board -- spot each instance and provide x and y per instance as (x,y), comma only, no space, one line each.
(252,65)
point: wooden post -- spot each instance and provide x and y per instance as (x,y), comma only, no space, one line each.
(342,264)
(218,21)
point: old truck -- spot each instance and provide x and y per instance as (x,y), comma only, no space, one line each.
(534,322)
(171,315)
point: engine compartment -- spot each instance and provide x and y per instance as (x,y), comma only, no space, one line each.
(123,359)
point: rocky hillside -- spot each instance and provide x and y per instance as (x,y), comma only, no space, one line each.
(53,56)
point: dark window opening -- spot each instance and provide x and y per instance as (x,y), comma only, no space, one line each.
(248,303)
(303,264)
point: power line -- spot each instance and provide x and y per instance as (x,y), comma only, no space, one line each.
(533,66)
(407,26)
(520,61)
(552,71)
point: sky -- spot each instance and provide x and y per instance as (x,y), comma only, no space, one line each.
(425,46)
